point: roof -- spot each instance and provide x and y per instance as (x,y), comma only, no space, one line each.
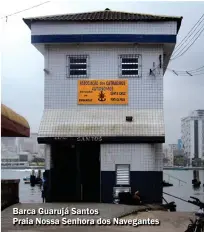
(101,122)
(106,15)
(13,124)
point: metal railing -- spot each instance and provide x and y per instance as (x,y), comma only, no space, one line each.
(175,178)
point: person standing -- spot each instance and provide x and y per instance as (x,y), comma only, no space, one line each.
(44,187)
(32,178)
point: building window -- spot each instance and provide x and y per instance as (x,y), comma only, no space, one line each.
(130,66)
(122,174)
(77,66)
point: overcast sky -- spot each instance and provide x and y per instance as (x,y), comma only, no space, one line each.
(22,65)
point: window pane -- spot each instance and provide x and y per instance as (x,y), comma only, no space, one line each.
(129,66)
(77,60)
(129,60)
(130,72)
(122,174)
(77,72)
(77,66)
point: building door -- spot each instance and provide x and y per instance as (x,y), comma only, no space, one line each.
(90,172)
(75,173)
(64,174)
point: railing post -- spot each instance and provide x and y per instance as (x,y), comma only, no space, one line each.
(169,176)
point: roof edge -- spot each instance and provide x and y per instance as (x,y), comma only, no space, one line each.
(28,21)
(89,12)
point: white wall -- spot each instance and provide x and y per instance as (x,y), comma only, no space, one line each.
(192,139)
(185,130)
(200,138)
(145,92)
(188,136)
(158,157)
(203,139)
(47,151)
(51,28)
(141,157)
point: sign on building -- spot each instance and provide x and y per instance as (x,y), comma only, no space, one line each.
(103,92)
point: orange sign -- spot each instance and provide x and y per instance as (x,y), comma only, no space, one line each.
(103,92)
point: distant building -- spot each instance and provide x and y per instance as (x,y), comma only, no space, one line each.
(9,157)
(168,156)
(178,152)
(180,144)
(24,157)
(192,129)
(30,145)
(8,144)
(172,147)
(170,159)
(179,158)
(41,150)
(170,152)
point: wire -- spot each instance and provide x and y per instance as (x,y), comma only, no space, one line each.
(198,74)
(6,16)
(196,69)
(183,46)
(190,32)
(175,197)
(192,70)
(179,55)
(187,48)
(186,73)
(198,32)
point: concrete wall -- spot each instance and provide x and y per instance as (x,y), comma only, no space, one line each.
(187,128)
(200,139)
(145,92)
(146,165)
(50,28)
(141,157)
(47,157)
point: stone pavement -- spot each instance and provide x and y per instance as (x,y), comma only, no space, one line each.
(169,221)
